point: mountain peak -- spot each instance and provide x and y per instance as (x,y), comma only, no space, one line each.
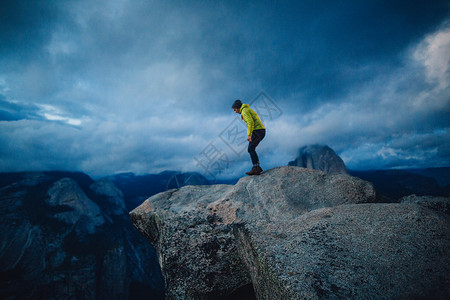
(319,157)
(114,196)
(67,194)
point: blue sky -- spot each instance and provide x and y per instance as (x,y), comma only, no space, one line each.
(146,86)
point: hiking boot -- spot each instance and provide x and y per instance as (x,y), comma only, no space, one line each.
(253,171)
(260,170)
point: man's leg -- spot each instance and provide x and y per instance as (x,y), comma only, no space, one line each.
(252,151)
(257,136)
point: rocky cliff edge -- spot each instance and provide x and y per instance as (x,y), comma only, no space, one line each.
(296,233)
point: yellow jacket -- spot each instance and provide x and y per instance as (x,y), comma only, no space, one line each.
(251,118)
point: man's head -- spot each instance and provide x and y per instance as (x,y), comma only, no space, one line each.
(237,106)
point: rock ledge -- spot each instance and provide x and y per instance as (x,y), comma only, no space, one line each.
(296,233)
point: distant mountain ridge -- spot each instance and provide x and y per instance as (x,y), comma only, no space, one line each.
(441,175)
(137,188)
(394,184)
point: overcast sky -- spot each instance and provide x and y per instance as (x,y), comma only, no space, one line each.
(146,86)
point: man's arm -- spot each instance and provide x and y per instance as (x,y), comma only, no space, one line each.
(250,124)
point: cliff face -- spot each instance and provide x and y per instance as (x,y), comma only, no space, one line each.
(296,233)
(64,236)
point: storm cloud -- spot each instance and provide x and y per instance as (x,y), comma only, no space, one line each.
(146,86)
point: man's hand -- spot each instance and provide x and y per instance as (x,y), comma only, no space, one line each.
(249,138)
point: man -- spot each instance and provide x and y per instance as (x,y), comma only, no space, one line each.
(255,132)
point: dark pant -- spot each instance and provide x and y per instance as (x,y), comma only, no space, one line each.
(257,137)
